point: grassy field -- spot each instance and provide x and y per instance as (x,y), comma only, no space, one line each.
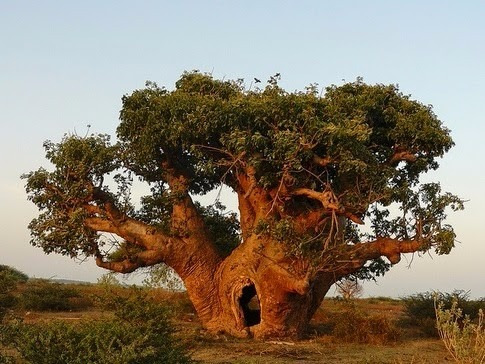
(393,340)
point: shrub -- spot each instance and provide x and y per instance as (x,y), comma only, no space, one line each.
(140,333)
(109,280)
(353,325)
(41,295)
(420,308)
(464,340)
(9,279)
(7,300)
(178,303)
(14,274)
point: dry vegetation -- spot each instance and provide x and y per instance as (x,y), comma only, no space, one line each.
(372,330)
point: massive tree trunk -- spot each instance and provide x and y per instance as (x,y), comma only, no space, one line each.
(256,292)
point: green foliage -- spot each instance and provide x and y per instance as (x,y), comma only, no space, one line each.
(9,273)
(9,279)
(162,276)
(222,226)
(42,295)
(420,308)
(81,165)
(140,333)
(352,324)
(6,359)
(210,131)
(463,339)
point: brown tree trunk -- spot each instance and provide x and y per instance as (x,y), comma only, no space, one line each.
(257,292)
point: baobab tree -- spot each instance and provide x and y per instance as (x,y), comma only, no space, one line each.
(307,169)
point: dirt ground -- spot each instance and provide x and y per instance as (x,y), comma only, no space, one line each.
(320,347)
(422,351)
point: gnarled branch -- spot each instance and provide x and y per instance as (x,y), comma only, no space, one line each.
(128,265)
(328,200)
(327,197)
(347,259)
(401,154)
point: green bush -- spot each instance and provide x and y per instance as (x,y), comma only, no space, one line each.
(41,295)
(354,325)
(14,274)
(7,300)
(420,308)
(140,333)
(109,280)
(162,276)
(9,279)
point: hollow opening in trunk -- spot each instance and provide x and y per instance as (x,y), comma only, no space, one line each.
(249,303)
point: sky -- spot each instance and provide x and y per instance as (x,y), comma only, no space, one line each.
(66,64)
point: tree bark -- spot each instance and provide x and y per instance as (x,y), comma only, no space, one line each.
(258,292)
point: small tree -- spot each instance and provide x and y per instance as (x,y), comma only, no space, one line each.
(307,170)
(12,274)
(42,295)
(349,288)
(108,280)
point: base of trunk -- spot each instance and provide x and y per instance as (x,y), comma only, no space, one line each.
(259,293)
(264,310)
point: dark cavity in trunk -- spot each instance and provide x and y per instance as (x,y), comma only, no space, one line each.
(249,303)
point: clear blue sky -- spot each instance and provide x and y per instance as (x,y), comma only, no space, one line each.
(66,64)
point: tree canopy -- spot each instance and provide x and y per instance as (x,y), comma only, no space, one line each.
(320,164)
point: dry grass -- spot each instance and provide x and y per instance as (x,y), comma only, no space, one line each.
(320,346)
(421,351)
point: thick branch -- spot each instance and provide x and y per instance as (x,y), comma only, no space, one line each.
(257,198)
(142,259)
(251,181)
(185,217)
(327,198)
(329,201)
(400,154)
(107,205)
(192,244)
(101,224)
(347,259)
(311,219)
(93,209)
(247,215)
